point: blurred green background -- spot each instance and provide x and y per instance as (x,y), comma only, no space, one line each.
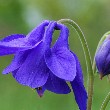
(20,16)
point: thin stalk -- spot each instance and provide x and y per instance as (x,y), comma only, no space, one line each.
(87,58)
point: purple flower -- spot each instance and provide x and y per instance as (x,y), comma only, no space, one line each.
(41,66)
(102,58)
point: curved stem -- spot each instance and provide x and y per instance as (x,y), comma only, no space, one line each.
(100,42)
(105,102)
(87,58)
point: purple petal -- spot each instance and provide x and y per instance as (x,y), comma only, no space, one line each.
(18,60)
(63,38)
(106,65)
(78,88)
(33,72)
(48,34)
(12,37)
(57,85)
(17,42)
(80,93)
(13,43)
(60,60)
(79,72)
(62,63)
(37,33)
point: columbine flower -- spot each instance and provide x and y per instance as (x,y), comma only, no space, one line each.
(38,65)
(102,58)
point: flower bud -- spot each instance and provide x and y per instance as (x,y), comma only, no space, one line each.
(102,58)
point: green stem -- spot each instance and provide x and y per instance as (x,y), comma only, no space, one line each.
(100,42)
(105,102)
(87,58)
